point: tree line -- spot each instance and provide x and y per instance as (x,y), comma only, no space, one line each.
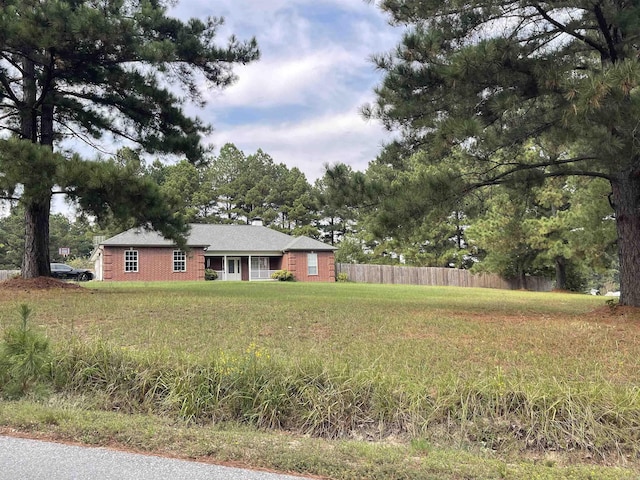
(230,187)
(561,228)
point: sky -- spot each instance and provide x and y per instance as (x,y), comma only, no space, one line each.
(301,102)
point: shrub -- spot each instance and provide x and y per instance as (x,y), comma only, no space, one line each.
(283,276)
(82,263)
(342,277)
(25,358)
(210,274)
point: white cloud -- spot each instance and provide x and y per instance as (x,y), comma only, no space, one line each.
(305,80)
(300,103)
(298,69)
(343,137)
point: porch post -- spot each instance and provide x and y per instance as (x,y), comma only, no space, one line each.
(224,267)
(249,267)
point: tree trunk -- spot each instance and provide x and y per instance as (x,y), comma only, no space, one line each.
(332,227)
(35,262)
(561,273)
(36,198)
(46,123)
(522,278)
(28,116)
(626,202)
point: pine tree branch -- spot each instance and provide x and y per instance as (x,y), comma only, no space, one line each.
(504,176)
(8,115)
(569,31)
(604,28)
(580,173)
(4,81)
(84,139)
(17,65)
(12,129)
(48,81)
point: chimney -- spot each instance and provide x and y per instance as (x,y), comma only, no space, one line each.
(257,222)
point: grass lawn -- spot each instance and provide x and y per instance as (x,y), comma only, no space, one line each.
(343,380)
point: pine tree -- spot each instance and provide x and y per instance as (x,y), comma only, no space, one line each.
(473,81)
(90,68)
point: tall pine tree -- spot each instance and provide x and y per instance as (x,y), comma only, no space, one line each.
(482,78)
(88,68)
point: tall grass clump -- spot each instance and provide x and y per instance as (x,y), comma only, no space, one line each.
(505,413)
(25,359)
(109,376)
(498,411)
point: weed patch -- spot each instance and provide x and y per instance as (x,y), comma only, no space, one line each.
(497,411)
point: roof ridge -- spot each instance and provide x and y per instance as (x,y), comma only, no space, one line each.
(293,241)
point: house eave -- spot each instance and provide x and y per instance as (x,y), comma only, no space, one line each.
(332,249)
(242,253)
(148,245)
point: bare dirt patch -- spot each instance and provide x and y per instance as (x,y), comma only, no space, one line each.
(38,283)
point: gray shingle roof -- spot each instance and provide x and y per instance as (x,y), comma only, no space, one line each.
(138,237)
(223,238)
(305,243)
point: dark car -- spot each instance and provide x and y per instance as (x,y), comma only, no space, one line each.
(65,272)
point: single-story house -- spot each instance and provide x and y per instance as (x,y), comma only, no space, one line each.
(235,252)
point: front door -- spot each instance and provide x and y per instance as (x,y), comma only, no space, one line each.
(234,271)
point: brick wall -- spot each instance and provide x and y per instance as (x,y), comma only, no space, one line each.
(296,263)
(154,264)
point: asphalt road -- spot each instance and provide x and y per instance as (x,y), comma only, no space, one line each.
(22,459)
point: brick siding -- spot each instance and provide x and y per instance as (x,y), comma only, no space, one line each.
(154,264)
(296,263)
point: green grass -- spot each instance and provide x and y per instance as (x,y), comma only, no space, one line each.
(426,373)
(404,332)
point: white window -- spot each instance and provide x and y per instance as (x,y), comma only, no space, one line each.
(312,264)
(179,261)
(131,261)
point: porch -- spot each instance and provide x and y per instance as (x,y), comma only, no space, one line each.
(243,267)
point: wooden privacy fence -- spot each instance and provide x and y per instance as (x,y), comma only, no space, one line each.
(446,277)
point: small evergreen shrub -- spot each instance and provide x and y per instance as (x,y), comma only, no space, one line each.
(342,277)
(283,276)
(210,274)
(25,359)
